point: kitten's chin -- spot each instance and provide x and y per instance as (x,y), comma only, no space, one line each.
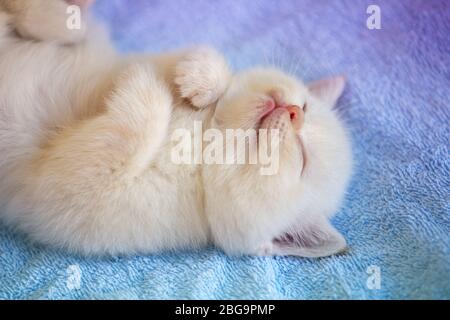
(276,116)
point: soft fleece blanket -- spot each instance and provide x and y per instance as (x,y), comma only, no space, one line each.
(396,216)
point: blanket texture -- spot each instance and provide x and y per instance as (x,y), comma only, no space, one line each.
(396,215)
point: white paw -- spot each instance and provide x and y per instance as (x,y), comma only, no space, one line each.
(202,76)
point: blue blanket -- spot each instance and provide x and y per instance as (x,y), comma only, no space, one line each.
(396,216)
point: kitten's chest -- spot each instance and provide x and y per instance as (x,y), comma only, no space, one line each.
(177,162)
(184,143)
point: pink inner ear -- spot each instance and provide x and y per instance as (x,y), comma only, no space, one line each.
(83,4)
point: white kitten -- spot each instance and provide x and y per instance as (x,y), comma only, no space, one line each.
(85,143)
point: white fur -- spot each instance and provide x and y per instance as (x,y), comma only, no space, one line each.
(85,165)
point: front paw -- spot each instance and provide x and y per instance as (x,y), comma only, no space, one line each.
(202,76)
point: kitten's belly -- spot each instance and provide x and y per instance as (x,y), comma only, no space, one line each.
(43,88)
(47,85)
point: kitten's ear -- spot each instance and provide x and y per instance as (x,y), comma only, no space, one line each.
(328,90)
(320,239)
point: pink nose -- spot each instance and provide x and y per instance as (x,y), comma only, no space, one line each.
(297,116)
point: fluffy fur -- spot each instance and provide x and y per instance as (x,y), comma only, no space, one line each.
(84,136)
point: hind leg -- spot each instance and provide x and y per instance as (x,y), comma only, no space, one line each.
(121,142)
(79,191)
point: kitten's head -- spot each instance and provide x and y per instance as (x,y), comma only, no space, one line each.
(48,20)
(285,211)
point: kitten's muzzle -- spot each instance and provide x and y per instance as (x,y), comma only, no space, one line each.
(296,114)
